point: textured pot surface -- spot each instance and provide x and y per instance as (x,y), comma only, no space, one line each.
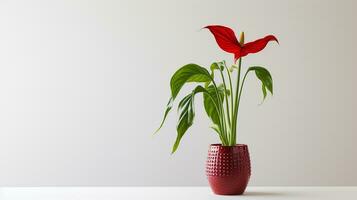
(228,168)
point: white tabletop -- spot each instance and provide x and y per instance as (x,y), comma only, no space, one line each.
(173,193)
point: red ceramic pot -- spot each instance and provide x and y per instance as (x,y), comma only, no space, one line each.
(228,168)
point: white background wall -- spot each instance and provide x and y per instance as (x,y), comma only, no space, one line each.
(83,85)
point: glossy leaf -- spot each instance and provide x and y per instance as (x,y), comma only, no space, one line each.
(218,66)
(188,73)
(210,101)
(209,82)
(215,66)
(264,76)
(168,108)
(183,102)
(264,90)
(187,114)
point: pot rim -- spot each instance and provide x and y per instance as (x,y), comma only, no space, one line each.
(220,145)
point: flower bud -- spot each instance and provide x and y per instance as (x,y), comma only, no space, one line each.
(241,39)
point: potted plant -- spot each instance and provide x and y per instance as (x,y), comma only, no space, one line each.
(228,163)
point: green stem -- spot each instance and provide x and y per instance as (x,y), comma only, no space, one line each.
(235,114)
(231,89)
(222,118)
(226,98)
(224,140)
(240,91)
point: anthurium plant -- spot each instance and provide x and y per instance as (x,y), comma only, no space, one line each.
(221,100)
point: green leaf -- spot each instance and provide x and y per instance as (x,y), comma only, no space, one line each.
(228,92)
(183,102)
(215,66)
(168,108)
(209,82)
(210,101)
(218,65)
(264,91)
(186,74)
(217,130)
(264,76)
(187,114)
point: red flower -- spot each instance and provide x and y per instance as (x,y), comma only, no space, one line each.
(228,42)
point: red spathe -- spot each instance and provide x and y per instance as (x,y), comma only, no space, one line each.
(228,42)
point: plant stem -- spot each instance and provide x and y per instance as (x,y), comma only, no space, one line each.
(224,140)
(221,114)
(226,98)
(235,114)
(231,89)
(239,96)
